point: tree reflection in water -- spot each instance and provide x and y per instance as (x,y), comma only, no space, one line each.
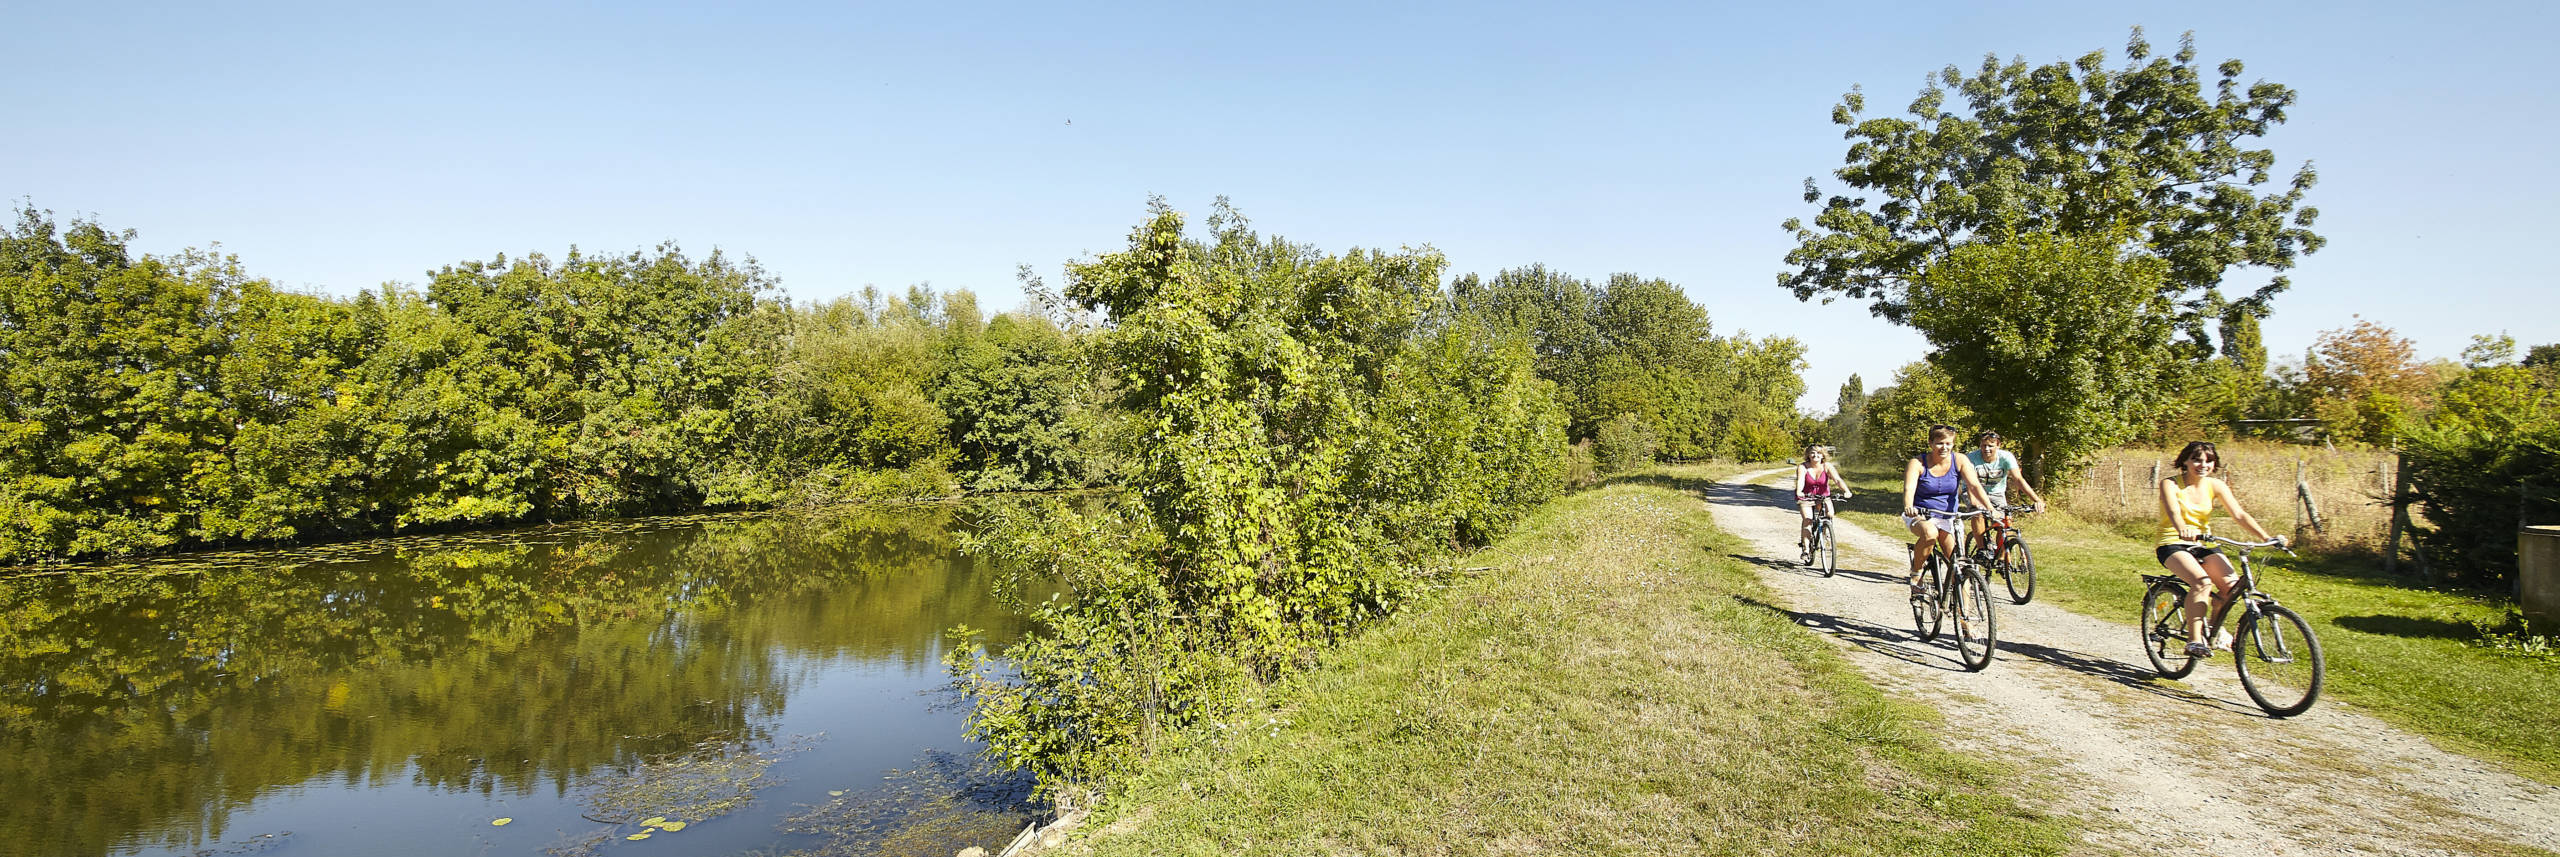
(145,703)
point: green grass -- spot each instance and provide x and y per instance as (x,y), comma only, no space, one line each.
(2405,653)
(1617,683)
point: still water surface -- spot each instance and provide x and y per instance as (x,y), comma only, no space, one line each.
(771,682)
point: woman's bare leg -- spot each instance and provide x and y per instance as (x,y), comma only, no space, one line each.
(2201,589)
(1923,532)
(2226,580)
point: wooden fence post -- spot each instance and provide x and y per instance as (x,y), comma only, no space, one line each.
(2399,513)
(2302,489)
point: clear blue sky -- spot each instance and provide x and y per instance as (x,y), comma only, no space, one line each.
(337,146)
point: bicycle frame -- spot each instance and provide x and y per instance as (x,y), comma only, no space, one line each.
(2244,590)
(1996,532)
(1962,555)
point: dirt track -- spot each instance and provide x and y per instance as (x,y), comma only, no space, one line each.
(2155,767)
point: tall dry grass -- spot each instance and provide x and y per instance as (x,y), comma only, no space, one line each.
(2348,485)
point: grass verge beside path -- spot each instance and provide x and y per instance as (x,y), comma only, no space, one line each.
(2406,654)
(1616,684)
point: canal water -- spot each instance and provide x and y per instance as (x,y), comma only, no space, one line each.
(763,684)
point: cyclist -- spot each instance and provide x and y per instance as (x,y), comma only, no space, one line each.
(1817,480)
(2186,516)
(1996,469)
(1931,482)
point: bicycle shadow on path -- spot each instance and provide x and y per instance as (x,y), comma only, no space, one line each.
(2134,676)
(1893,643)
(1799,569)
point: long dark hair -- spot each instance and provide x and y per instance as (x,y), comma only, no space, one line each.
(2196,451)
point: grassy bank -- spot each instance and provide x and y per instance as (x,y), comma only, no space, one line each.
(1613,683)
(2405,653)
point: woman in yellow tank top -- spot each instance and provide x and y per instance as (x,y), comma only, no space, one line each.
(2186,516)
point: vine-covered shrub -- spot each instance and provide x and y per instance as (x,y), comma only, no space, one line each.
(2489,456)
(1313,426)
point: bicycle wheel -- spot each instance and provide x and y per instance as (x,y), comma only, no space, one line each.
(1828,552)
(2164,630)
(2279,660)
(2019,570)
(1924,611)
(1977,628)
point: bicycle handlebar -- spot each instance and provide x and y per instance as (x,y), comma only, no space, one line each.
(2277,542)
(1969,513)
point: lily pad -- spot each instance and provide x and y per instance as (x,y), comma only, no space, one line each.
(653,821)
(637,837)
(501,822)
(672,826)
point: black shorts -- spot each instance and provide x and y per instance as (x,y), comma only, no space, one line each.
(2197,551)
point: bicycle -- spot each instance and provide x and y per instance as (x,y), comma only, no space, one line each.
(2274,650)
(2007,553)
(1818,550)
(1957,587)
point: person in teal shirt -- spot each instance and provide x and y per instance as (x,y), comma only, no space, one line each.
(1996,468)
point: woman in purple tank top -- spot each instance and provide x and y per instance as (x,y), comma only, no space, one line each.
(1931,482)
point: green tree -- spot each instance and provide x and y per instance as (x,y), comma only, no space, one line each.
(2486,350)
(2242,344)
(2076,149)
(1008,392)
(1849,419)
(1639,346)
(1559,315)
(2057,343)
(1899,416)
(633,365)
(854,412)
(110,417)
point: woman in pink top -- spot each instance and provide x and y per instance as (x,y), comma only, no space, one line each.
(1817,481)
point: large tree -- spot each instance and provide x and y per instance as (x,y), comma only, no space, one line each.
(2058,343)
(2142,152)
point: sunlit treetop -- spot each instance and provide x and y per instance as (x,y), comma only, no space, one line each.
(2144,154)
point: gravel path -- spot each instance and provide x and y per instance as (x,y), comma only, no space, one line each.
(2073,699)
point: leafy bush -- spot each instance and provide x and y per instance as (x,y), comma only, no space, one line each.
(1312,430)
(1624,443)
(1758,441)
(2495,439)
